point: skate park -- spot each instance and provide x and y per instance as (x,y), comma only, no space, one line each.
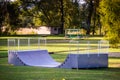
(38,55)
(26,59)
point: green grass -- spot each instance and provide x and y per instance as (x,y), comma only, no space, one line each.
(34,73)
(55,42)
(10,72)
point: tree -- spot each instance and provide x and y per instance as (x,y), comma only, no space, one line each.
(90,12)
(91,16)
(110,18)
(3,13)
(76,17)
(48,11)
(62,16)
(54,13)
(9,15)
(96,18)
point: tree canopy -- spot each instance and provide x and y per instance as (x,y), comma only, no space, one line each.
(90,15)
(110,18)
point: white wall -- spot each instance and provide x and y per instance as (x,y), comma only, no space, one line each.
(44,30)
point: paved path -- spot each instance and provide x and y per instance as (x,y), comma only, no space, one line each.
(114,54)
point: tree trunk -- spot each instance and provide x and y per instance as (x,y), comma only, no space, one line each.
(93,30)
(0,30)
(99,26)
(90,10)
(94,20)
(100,31)
(62,17)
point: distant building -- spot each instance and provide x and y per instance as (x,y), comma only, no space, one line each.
(39,30)
(48,30)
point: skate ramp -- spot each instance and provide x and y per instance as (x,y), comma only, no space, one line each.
(14,59)
(85,61)
(41,58)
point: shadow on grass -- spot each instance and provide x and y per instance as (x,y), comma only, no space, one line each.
(3,53)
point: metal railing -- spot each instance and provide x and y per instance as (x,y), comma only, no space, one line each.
(26,44)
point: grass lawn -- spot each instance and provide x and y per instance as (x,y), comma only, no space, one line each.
(10,72)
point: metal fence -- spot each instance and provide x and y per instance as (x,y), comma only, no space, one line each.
(27,44)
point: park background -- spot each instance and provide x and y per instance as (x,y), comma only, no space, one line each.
(98,19)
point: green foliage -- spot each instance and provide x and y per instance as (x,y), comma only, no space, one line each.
(9,15)
(24,13)
(110,19)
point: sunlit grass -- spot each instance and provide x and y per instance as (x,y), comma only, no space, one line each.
(61,50)
(114,49)
(114,62)
(10,72)
(55,46)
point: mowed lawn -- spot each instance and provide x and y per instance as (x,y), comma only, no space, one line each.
(10,72)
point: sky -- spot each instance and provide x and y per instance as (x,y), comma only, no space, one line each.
(82,1)
(12,0)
